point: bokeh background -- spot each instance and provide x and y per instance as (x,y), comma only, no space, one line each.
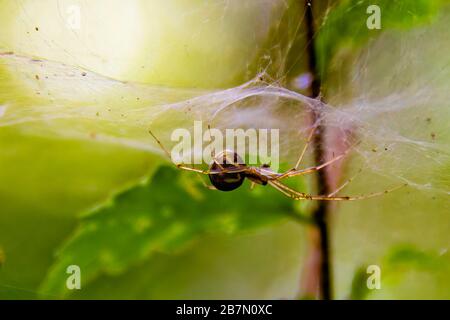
(81,182)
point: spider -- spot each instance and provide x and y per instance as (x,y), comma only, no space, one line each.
(227,172)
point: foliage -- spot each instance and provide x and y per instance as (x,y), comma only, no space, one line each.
(344,26)
(404,267)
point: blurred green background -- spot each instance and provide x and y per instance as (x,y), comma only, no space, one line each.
(58,194)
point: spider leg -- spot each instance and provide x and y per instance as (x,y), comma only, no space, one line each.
(293,172)
(213,153)
(191,168)
(181,165)
(296,195)
(224,170)
(160,144)
(279,188)
(204,184)
(344,184)
(308,141)
(271,175)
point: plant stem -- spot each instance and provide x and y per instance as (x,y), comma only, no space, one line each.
(318,271)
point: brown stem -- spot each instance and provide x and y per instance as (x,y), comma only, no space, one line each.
(317,276)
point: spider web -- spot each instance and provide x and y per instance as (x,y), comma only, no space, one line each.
(398,112)
(392,112)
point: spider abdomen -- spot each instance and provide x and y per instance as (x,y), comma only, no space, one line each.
(226,181)
(227,171)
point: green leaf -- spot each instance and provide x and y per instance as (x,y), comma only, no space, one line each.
(410,257)
(344,27)
(359,288)
(164,215)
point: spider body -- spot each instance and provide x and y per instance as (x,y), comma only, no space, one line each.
(223,176)
(228,172)
(257,175)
